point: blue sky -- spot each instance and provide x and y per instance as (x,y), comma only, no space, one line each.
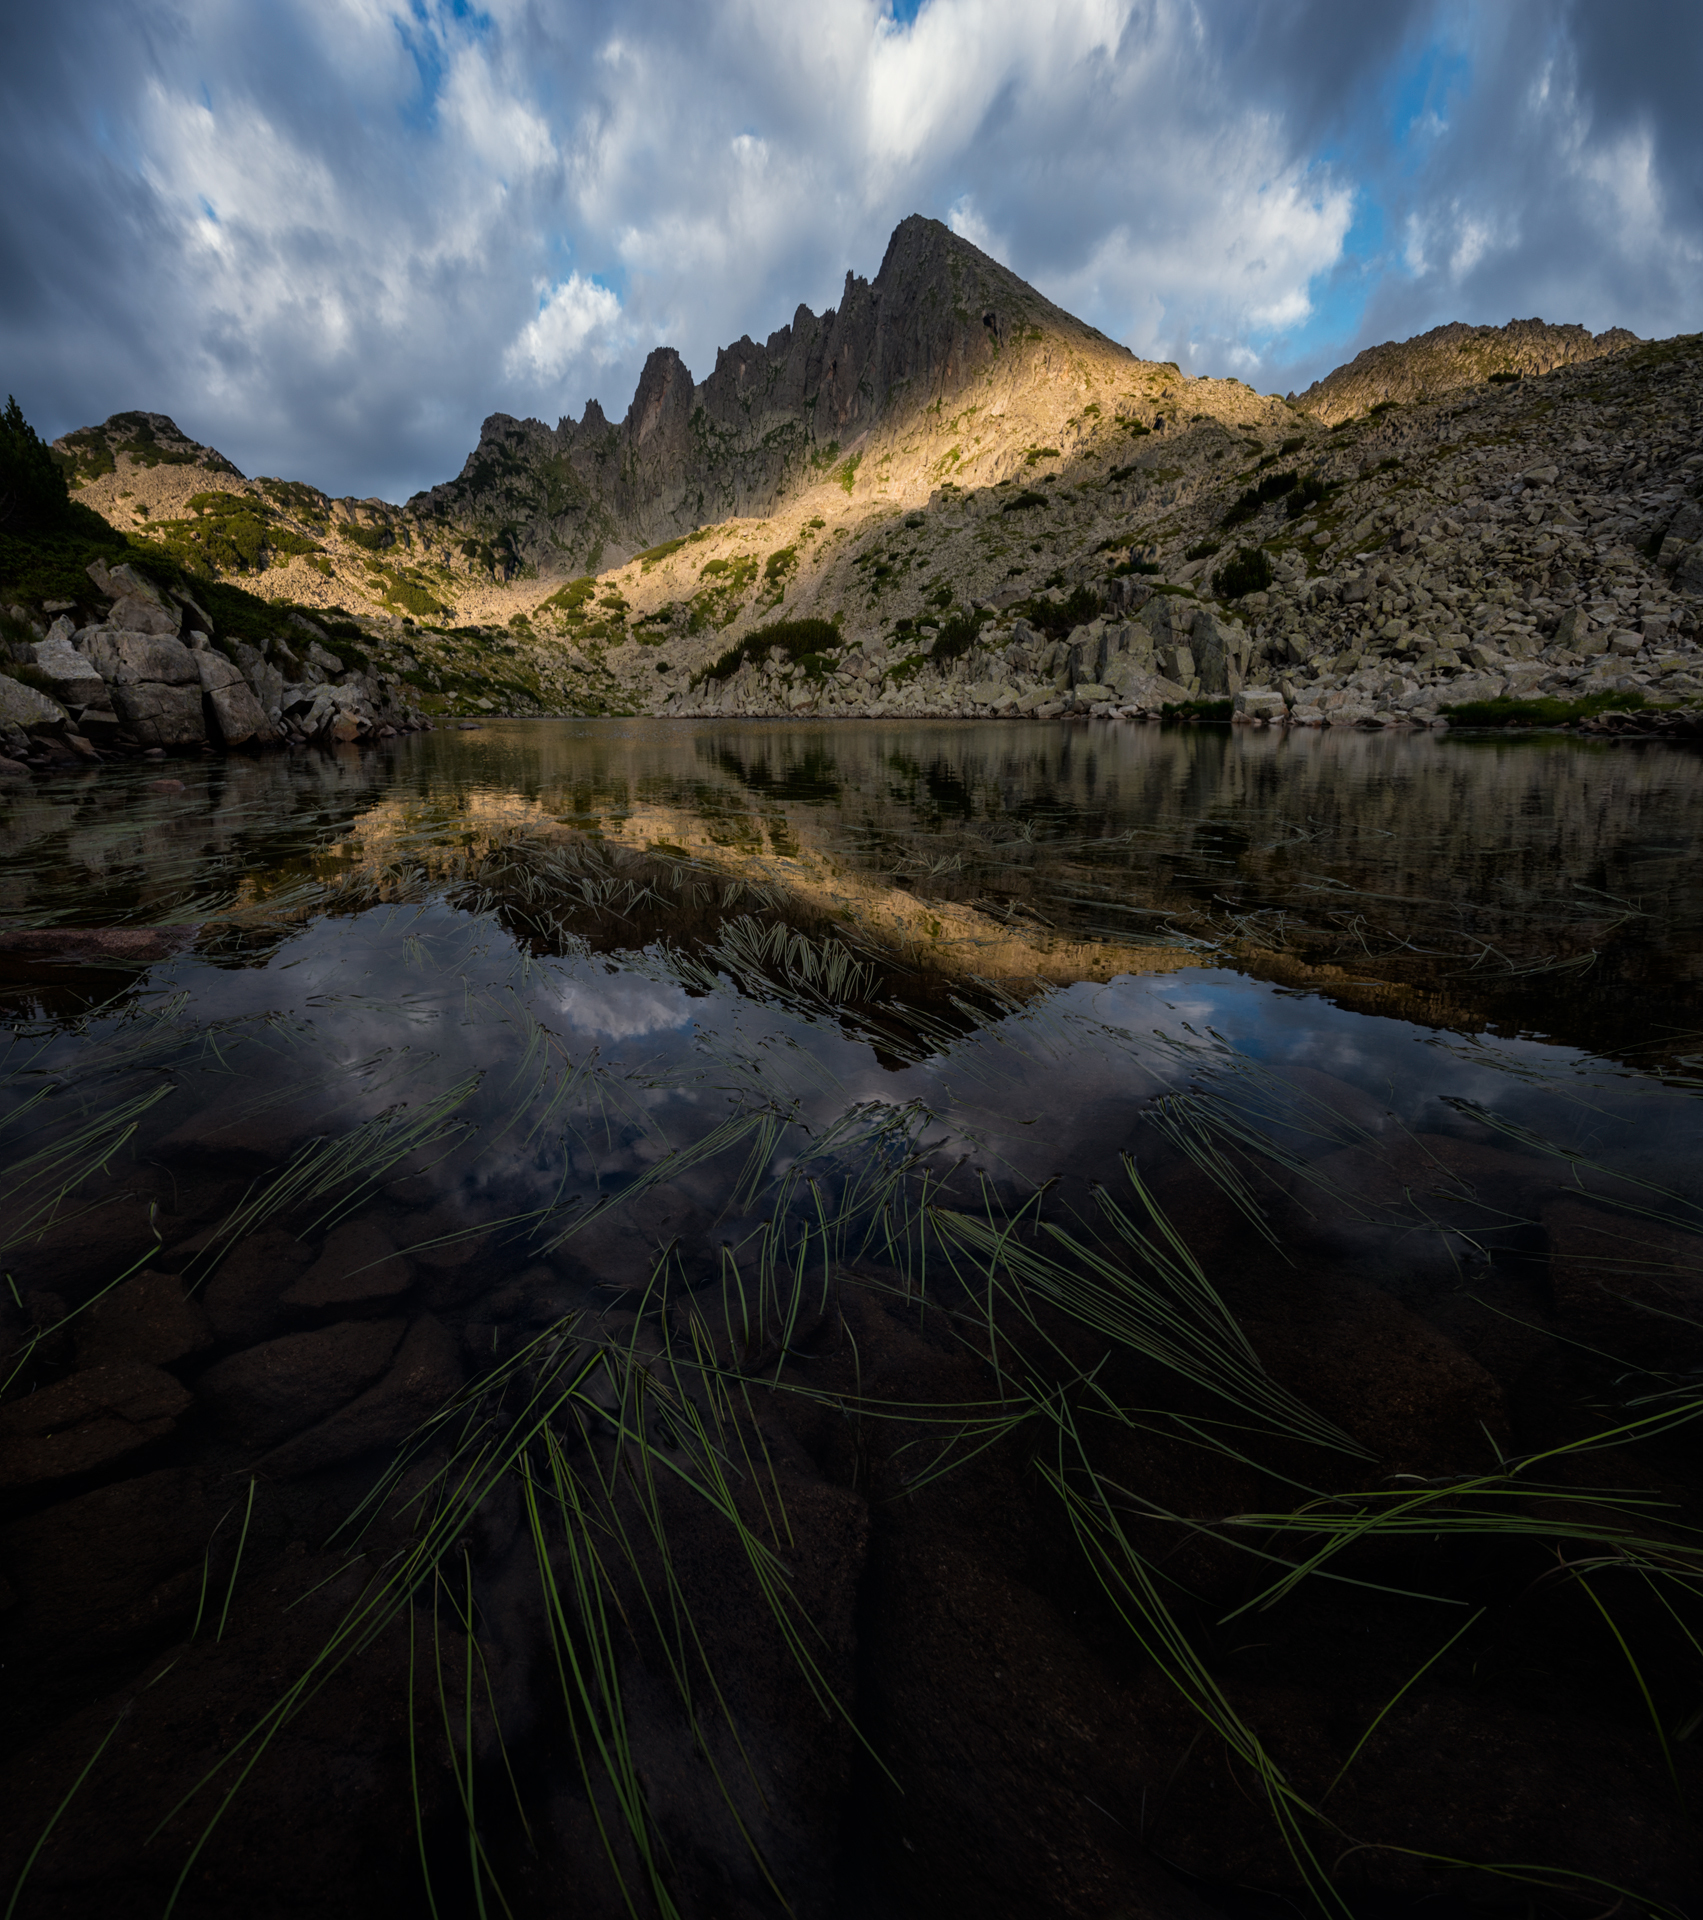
(330,236)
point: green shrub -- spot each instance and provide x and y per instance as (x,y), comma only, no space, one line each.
(1272,487)
(1215,712)
(1383,406)
(847,475)
(778,570)
(416,600)
(1023,501)
(1056,618)
(1039,453)
(1247,571)
(799,640)
(570,600)
(1203,550)
(1503,379)
(1293,444)
(372,538)
(957,635)
(1308,494)
(90,455)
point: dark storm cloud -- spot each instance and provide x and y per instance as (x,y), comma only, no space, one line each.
(330,235)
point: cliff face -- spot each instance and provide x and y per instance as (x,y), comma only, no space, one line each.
(770,419)
(1447,358)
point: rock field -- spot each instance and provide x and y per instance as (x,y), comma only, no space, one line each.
(149,677)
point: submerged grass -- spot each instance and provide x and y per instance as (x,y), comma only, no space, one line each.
(621,1444)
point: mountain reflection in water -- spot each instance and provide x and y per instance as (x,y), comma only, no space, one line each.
(1541,884)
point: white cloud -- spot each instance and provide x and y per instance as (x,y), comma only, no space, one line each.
(964,221)
(576,318)
(394,184)
(625,1008)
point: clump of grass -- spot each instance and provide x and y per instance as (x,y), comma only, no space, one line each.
(1541,710)
(1196,712)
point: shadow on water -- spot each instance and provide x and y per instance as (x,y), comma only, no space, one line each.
(867,1320)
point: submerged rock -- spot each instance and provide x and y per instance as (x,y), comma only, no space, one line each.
(273,1390)
(88,1421)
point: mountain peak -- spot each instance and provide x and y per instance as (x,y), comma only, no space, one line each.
(939,318)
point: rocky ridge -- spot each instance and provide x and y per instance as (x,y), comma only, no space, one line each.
(1535,540)
(1451,357)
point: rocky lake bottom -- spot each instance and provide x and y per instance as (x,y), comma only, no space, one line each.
(731,1317)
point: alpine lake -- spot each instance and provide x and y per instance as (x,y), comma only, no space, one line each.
(729,1318)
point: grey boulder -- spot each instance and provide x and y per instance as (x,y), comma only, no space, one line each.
(156,687)
(123,657)
(161,716)
(234,716)
(23,710)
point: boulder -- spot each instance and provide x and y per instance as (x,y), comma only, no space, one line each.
(1217,653)
(1625,1286)
(123,657)
(124,583)
(161,716)
(235,718)
(144,616)
(1159,617)
(1259,703)
(359,1263)
(243,1297)
(233,715)
(427,1371)
(273,1390)
(1572,628)
(74,678)
(1176,662)
(95,1417)
(105,1572)
(23,710)
(146,1320)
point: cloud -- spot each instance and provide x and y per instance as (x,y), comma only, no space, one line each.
(329,236)
(624,1008)
(576,318)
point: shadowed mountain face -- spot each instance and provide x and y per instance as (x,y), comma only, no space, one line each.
(769,420)
(1454,356)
